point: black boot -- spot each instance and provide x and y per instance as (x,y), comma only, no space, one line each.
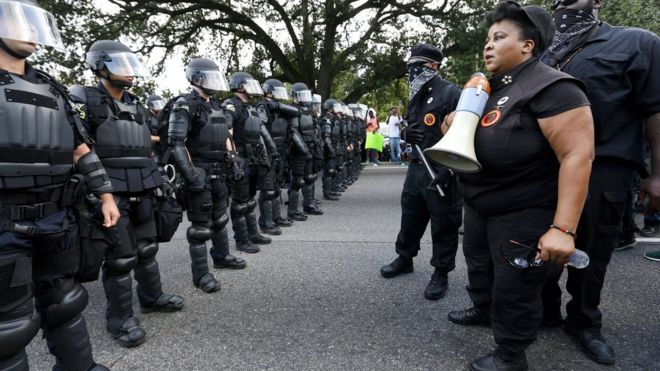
(253,230)
(470,317)
(399,266)
(266,223)
(330,197)
(16,362)
(121,323)
(69,343)
(498,362)
(277,216)
(592,344)
(437,287)
(241,236)
(220,251)
(292,211)
(200,269)
(308,202)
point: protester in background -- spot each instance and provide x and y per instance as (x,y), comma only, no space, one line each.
(394,123)
(372,127)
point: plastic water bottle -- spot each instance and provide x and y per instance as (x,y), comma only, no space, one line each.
(579,259)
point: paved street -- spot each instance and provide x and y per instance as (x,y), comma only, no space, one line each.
(313,300)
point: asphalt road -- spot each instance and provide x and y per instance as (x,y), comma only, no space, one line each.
(313,300)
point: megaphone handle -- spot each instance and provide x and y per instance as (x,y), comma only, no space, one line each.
(429,169)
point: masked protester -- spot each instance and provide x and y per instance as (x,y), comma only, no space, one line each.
(250,139)
(619,66)
(431,99)
(276,116)
(39,252)
(199,145)
(117,122)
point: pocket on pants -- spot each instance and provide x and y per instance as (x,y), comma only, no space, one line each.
(612,208)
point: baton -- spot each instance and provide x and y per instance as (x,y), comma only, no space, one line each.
(429,169)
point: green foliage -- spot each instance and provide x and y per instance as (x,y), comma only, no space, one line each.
(633,13)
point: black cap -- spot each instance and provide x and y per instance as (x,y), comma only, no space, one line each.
(425,53)
(542,21)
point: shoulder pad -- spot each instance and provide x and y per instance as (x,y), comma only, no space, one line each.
(78,94)
(229,105)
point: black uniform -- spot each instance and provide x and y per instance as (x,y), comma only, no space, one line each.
(250,137)
(39,249)
(619,67)
(299,157)
(123,142)
(197,136)
(514,198)
(329,147)
(420,202)
(276,117)
(309,133)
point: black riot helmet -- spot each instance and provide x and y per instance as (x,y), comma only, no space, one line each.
(156,103)
(301,94)
(332,106)
(275,89)
(205,74)
(24,20)
(245,81)
(117,59)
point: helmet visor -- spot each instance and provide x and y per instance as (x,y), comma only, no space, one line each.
(125,64)
(211,80)
(252,87)
(303,96)
(25,22)
(336,108)
(279,92)
(347,111)
(157,105)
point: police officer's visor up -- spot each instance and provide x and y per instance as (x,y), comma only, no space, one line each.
(303,96)
(210,79)
(25,22)
(120,63)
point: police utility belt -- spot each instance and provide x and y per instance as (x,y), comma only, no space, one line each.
(21,206)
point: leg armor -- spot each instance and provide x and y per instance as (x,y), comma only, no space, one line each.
(253,231)
(240,225)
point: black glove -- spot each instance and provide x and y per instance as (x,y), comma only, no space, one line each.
(274,106)
(442,178)
(237,171)
(198,184)
(167,189)
(413,135)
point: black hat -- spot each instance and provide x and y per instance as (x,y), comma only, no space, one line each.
(542,21)
(425,53)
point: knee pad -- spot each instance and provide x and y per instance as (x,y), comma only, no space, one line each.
(198,233)
(297,183)
(251,205)
(120,266)
(238,209)
(71,305)
(17,333)
(311,178)
(221,222)
(270,195)
(147,250)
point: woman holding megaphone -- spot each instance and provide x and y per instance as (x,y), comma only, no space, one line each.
(534,144)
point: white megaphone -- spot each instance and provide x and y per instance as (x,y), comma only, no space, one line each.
(456,149)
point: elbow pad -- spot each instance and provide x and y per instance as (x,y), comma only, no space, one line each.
(96,178)
(287,110)
(178,123)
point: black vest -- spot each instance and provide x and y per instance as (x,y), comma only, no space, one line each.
(247,127)
(209,130)
(307,127)
(36,135)
(123,142)
(520,169)
(276,125)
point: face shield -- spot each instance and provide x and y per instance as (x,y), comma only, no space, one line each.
(303,96)
(157,105)
(210,80)
(124,64)
(279,93)
(336,108)
(25,22)
(316,103)
(252,87)
(347,111)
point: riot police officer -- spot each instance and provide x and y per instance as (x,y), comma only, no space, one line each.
(330,138)
(254,158)
(199,141)
(302,164)
(431,99)
(39,251)
(276,116)
(118,124)
(154,105)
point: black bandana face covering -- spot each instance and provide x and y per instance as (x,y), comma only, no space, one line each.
(572,20)
(573,28)
(418,76)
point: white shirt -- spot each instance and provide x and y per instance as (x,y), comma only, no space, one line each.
(394,124)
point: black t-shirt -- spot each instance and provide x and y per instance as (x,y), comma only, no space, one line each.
(520,168)
(619,66)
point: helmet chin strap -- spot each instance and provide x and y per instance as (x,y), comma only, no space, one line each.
(11,52)
(118,83)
